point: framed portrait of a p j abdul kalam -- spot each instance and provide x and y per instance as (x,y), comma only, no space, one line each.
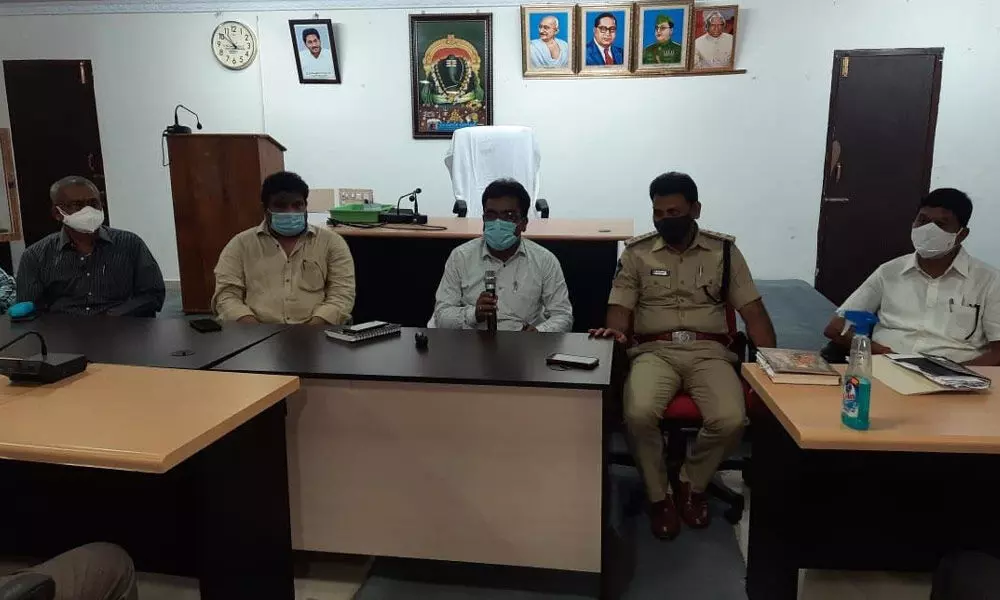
(451,72)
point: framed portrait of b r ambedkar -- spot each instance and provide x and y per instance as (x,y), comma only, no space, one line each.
(315,50)
(547,36)
(663,36)
(605,39)
(451,72)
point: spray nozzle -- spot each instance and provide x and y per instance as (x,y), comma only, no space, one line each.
(862,320)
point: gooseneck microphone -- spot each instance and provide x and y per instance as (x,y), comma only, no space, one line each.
(405,216)
(413,198)
(177,128)
(490,283)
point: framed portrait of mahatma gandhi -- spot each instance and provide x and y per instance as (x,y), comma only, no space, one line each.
(315,50)
(605,39)
(663,36)
(451,72)
(547,40)
(715,37)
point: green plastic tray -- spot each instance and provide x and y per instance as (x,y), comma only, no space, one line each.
(358,213)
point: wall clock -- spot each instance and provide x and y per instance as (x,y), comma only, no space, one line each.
(234,45)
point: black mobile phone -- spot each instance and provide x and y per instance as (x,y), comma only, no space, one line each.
(205,325)
(570,360)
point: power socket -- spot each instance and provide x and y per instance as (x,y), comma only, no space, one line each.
(355,195)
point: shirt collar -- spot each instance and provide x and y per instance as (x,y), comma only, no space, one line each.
(699,241)
(960,265)
(484,251)
(102,234)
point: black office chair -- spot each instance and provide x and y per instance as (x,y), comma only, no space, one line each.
(542,206)
(28,586)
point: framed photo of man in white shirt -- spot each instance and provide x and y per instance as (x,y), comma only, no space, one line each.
(715,37)
(315,50)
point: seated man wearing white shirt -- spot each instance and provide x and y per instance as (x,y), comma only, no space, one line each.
(531,292)
(939,300)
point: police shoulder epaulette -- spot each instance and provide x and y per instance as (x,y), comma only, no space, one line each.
(640,238)
(718,236)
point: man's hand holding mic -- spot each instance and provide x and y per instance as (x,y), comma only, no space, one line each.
(486,305)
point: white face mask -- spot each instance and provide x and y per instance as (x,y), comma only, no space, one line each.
(930,241)
(85,220)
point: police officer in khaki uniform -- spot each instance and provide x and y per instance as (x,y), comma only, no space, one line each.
(669,293)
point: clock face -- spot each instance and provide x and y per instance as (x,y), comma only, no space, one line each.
(234,45)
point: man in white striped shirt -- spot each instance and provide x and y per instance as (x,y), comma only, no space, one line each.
(531,292)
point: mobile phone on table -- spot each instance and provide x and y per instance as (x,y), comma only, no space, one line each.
(363,327)
(205,325)
(572,361)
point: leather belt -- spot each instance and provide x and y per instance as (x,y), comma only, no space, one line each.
(682,336)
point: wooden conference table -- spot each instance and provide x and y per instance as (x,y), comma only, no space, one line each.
(398,267)
(186,469)
(472,450)
(919,483)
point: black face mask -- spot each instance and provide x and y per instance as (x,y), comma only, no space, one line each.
(673,230)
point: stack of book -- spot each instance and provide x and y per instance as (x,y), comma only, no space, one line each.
(796,367)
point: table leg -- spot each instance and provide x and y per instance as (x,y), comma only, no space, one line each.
(240,502)
(772,566)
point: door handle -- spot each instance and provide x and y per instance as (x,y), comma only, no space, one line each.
(839,170)
(836,200)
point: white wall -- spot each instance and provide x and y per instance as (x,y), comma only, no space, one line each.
(754,143)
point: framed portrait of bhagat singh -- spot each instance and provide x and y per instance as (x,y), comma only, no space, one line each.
(663,36)
(451,72)
(547,40)
(315,50)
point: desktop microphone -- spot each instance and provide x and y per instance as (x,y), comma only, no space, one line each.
(405,215)
(490,283)
(177,128)
(43,367)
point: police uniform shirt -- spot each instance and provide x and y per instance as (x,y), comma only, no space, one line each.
(671,291)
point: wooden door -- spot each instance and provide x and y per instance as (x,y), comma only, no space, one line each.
(880,148)
(53,122)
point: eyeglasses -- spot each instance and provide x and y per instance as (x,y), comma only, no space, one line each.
(603,29)
(511,216)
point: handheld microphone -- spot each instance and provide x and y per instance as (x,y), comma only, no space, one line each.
(490,283)
(177,128)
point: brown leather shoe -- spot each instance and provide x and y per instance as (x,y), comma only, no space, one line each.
(694,507)
(663,519)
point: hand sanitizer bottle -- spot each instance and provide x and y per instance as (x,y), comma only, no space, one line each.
(857,380)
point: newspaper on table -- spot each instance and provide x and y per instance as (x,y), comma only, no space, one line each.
(942,371)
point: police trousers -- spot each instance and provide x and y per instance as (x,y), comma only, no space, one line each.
(705,370)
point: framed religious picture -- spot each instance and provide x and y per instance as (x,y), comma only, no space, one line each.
(715,37)
(604,41)
(663,36)
(451,72)
(315,50)
(547,40)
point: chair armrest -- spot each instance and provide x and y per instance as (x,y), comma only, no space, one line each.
(28,586)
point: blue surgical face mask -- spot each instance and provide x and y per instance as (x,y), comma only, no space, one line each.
(288,224)
(499,234)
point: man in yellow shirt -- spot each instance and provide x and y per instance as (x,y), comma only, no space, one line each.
(285,270)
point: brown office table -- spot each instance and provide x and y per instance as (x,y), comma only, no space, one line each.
(471,451)
(185,469)
(398,267)
(166,342)
(896,497)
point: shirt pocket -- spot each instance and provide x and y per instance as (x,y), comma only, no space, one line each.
(657,290)
(963,322)
(313,277)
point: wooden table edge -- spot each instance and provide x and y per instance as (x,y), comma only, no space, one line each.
(755,376)
(145,462)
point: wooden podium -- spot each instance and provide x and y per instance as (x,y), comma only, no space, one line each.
(216,181)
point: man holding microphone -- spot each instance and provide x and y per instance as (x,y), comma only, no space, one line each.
(530,290)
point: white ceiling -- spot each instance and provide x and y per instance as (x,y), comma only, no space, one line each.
(52,7)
